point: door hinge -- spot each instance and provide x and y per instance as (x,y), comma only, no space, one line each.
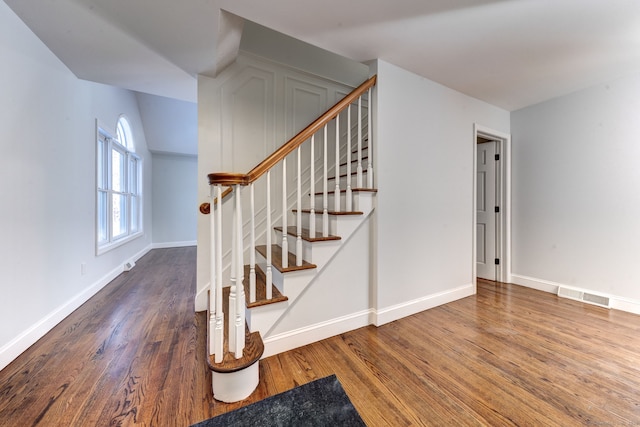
(497,261)
(497,209)
(497,157)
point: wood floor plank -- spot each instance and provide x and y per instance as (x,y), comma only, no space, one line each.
(134,355)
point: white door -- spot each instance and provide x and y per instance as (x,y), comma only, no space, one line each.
(486,214)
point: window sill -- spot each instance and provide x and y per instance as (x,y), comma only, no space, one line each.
(112,245)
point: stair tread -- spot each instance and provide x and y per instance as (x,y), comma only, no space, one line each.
(354,160)
(344,175)
(276,259)
(253,347)
(261,289)
(319,212)
(293,231)
(353,190)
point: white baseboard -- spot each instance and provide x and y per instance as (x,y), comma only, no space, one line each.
(297,338)
(26,339)
(616,302)
(539,284)
(398,311)
(174,244)
(293,339)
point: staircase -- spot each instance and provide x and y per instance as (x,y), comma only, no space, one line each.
(265,255)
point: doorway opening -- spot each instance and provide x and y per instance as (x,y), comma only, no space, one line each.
(491,205)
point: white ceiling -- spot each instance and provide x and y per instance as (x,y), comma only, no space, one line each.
(510,53)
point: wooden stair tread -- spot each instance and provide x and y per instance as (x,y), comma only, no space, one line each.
(353,190)
(331,212)
(261,289)
(276,259)
(353,161)
(293,231)
(344,175)
(253,346)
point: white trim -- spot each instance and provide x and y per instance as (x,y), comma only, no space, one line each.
(504,177)
(539,284)
(117,243)
(398,311)
(309,334)
(26,339)
(174,244)
(616,302)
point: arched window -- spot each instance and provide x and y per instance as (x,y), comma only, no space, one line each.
(119,189)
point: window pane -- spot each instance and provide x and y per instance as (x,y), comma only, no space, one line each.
(103,208)
(119,215)
(117,170)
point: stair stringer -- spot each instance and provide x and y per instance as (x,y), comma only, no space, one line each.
(293,284)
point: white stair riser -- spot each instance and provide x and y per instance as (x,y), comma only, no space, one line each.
(318,252)
(263,317)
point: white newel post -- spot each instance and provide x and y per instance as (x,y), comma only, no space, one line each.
(238,320)
(216,316)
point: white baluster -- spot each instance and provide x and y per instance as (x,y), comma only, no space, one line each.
(299,211)
(336,199)
(269,273)
(325,198)
(239,323)
(312,209)
(359,168)
(285,243)
(252,248)
(348,197)
(369,145)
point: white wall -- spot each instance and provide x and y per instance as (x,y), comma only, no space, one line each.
(424,174)
(175,200)
(47,187)
(576,197)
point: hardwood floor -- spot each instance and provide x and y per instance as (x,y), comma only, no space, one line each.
(134,355)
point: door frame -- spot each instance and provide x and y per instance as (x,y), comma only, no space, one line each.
(503,199)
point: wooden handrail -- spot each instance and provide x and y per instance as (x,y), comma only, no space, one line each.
(226,178)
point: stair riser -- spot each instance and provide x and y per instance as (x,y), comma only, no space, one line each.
(361,201)
(263,317)
(319,252)
(354,181)
(286,282)
(354,166)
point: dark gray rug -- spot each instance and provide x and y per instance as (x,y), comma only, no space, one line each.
(319,403)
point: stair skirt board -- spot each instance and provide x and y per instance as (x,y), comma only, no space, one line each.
(289,340)
(615,302)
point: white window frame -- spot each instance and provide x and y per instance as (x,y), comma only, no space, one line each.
(131,189)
